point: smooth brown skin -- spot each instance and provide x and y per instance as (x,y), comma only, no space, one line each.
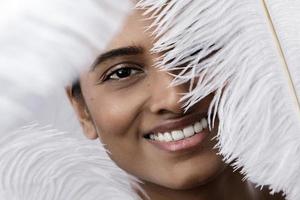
(120,111)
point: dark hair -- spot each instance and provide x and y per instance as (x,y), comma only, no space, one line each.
(76,89)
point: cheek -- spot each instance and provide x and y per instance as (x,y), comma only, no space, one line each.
(116,118)
(115,114)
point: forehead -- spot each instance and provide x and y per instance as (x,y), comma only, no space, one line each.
(133,32)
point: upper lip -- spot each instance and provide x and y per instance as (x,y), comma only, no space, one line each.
(178,123)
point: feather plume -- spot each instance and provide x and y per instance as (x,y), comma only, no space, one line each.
(247,53)
(43,46)
(40,163)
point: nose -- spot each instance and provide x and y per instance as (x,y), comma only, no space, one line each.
(164,98)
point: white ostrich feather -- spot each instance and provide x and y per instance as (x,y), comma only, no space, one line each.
(44,44)
(246,52)
(40,163)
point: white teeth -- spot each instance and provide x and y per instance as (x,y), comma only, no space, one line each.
(188,131)
(152,136)
(177,135)
(204,123)
(161,137)
(198,127)
(168,137)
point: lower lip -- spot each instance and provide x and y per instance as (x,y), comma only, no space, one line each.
(184,144)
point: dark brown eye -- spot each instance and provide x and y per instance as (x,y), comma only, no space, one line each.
(123,72)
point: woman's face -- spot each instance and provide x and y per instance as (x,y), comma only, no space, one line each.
(128,102)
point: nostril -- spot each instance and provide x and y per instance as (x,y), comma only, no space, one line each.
(162,112)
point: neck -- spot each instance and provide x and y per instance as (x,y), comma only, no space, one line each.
(227,186)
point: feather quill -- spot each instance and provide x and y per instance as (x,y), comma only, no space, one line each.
(247,53)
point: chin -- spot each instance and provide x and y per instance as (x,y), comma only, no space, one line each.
(185,184)
(206,173)
(190,179)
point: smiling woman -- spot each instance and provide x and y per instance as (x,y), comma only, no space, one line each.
(129,105)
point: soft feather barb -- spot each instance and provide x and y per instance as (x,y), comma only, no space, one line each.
(40,163)
(247,53)
(43,46)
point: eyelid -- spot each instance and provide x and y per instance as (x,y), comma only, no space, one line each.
(118,66)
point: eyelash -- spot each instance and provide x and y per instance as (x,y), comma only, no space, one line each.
(131,66)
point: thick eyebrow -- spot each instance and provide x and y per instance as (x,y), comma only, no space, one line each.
(123,51)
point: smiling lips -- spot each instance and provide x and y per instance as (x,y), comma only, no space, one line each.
(180,138)
(176,135)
